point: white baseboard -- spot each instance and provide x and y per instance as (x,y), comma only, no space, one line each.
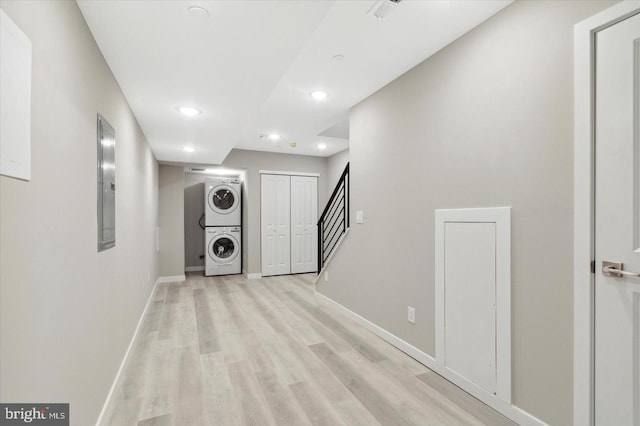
(194,268)
(116,381)
(172,279)
(516,414)
(254,276)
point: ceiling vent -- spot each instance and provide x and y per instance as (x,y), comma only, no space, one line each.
(382,8)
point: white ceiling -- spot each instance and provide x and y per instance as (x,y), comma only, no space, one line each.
(251,65)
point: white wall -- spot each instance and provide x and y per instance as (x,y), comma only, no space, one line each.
(67,312)
(487,121)
(335,166)
(171,220)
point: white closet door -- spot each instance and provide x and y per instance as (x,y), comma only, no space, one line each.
(304,216)
(275,226)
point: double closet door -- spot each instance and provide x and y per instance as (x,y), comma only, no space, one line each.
(289,212)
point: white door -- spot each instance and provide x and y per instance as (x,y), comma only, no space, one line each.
(275,224)
(617,224)
(304,217)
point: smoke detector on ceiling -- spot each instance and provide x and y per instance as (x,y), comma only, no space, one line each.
(382,8)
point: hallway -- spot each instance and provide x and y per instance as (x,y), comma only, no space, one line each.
(229,351)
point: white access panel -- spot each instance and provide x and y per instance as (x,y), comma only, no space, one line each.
(473,299)
(275,224)
(304,217)
(469,309)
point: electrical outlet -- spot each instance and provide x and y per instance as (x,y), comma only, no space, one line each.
(359,216)
(326,276)
(411,314)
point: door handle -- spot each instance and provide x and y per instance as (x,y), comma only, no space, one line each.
(615,269)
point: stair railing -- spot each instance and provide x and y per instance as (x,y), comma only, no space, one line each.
(334,220)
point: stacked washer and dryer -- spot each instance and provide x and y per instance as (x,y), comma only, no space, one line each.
(223,226)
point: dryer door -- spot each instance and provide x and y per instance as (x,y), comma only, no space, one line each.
(223,248)
(223,199)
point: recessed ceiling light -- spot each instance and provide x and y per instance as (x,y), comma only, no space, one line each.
(189,111)
(198,12)
(293,144)
(274,136)
(338,58)
(188,149)
(322,146)
(319,95)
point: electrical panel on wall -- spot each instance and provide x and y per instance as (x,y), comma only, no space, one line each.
(106,185)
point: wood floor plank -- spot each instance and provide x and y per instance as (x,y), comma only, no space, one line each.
(355,341)
(196,280)
(173,293)
(207,338)
(286,365)
(419,404)
(283,405)
(188,409)
(462,399)
(169,320)
(218,396)
(228,351)
(309,324)
(255,352)
(232,348)
(337,395)
(139,360)
(317,410)
(370,397)
(186,329)
(157,400)
(251,401)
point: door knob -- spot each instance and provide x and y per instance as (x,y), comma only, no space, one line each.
(615,269)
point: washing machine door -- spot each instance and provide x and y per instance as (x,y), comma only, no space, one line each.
(224,248)
(223,199)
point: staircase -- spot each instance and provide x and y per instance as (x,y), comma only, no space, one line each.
(334,221)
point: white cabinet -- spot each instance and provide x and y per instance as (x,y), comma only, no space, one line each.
(288,210)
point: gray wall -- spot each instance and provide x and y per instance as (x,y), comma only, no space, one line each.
(193,210)
(335,166)
(67,312)
(251,162)
(171,220)
(487,121)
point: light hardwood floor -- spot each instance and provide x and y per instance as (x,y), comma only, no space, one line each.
(229,351)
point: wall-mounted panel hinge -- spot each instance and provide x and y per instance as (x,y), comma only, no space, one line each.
(593,266)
